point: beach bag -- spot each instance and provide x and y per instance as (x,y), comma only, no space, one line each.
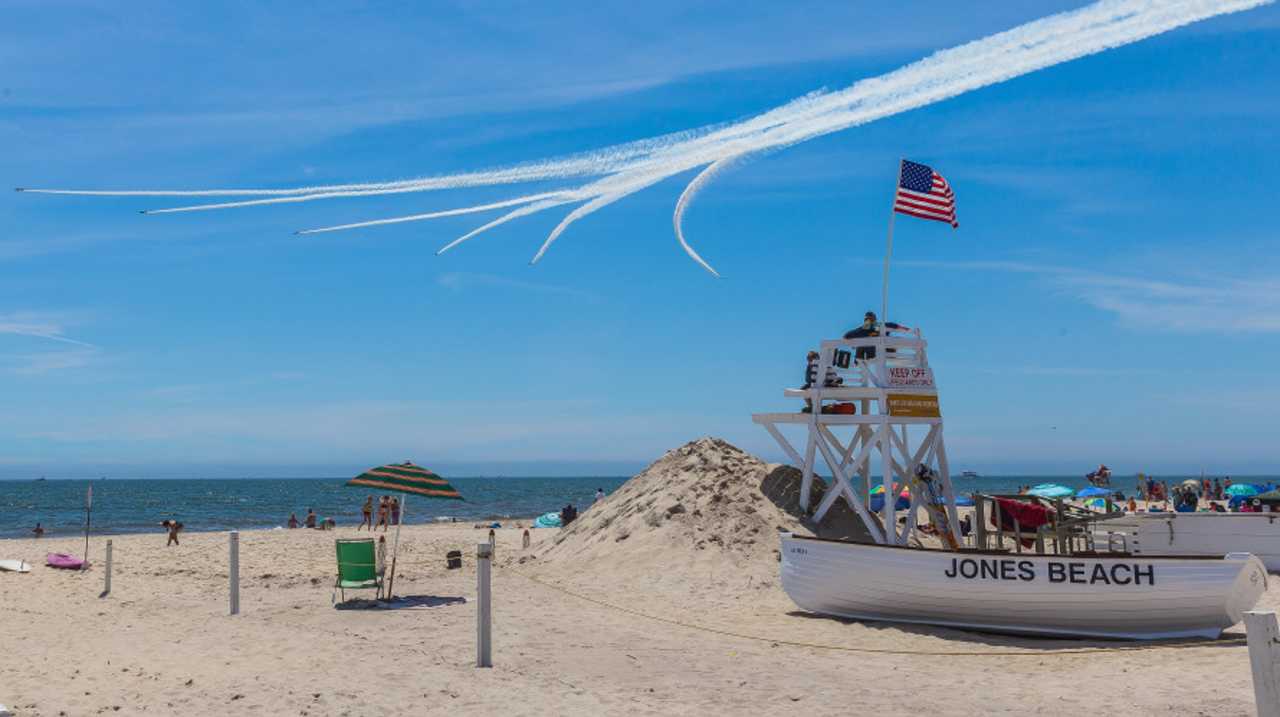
(453,559)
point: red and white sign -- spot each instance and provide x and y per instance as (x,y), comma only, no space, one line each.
(906,377)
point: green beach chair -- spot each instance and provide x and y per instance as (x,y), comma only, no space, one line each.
(358,567)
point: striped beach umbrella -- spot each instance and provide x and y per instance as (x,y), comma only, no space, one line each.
(406,478)
(409,479)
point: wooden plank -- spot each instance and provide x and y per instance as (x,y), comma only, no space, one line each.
(1264,659)
(785,444)
(806,478)
(841,480)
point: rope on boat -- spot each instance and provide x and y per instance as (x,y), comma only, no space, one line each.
(888,651)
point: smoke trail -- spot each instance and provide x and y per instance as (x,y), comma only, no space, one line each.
(521,212)
(595,162)
(686,198)
(529,199)
(626,169)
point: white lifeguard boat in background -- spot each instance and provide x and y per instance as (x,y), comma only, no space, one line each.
(889,417)
(1199,533)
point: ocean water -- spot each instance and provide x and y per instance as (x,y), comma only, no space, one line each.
(133,506)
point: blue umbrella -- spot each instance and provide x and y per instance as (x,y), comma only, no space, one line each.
(1093,491)
(1242,490)
(1051,490)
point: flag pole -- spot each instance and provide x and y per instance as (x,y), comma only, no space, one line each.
(888,251)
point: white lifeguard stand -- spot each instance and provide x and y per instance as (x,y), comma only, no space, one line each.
(888,381)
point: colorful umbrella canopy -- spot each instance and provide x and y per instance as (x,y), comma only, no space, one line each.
(1243,490)
(406,478)
(880,489)
(1270,497)
(409,479)
(1092,491)
(1051,490)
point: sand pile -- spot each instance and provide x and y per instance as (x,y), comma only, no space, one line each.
(706,508)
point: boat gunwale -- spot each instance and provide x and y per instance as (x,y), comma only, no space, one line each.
(1006,553)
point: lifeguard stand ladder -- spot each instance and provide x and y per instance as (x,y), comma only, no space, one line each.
(890,384)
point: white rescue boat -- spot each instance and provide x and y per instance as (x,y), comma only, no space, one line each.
(1124,597)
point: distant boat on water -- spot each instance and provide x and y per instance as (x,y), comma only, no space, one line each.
(970,474)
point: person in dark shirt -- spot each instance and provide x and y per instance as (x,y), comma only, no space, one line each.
(871,327)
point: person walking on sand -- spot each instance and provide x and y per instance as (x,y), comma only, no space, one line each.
(395,511)
(311,518)
(599,495)
(367,511)
(383,509)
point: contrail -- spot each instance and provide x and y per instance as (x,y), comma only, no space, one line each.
(626,169)
(529,199)
(686,198)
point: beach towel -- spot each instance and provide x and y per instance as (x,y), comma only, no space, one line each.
(1030,516)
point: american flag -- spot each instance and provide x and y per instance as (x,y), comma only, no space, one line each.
(923,193)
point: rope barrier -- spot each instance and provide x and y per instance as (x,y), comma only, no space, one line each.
(889,651)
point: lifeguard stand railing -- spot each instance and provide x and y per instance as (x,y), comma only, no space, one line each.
(883,408)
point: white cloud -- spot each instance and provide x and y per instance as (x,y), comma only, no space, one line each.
(38,324)
(34,364)
(1229,303)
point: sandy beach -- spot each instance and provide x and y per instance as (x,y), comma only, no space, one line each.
(692,541)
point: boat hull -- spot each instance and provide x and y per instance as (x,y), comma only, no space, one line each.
(1199,534)
(1129,597)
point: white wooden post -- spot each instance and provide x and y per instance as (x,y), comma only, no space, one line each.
(806,475)
(235,572)
(106,585)
(484,654)
(889,511)
(1264,658)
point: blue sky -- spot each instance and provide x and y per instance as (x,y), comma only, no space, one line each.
(1110,295)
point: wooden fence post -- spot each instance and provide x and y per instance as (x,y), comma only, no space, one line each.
(1264,658)
(106,578)
(235,572)
(484,633)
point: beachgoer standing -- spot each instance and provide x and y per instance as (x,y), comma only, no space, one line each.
(293,520)
(383,509)
(367,511)
(395,511)
(173,527)
(38,531)
(599,495)
(311,518)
